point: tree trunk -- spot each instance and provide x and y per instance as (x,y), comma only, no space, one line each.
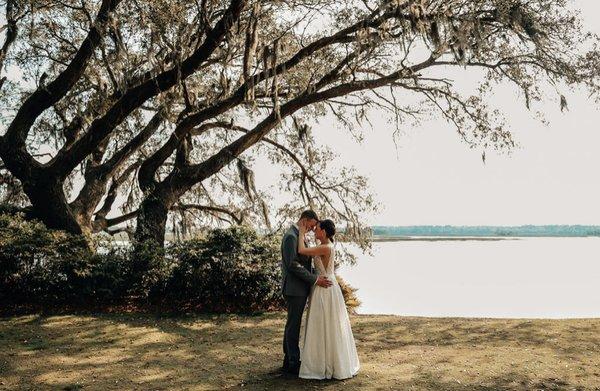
(86,203)
(149,237)
(152,218)
(50,205)
(43,188)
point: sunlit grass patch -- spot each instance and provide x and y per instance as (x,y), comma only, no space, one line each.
(214,352)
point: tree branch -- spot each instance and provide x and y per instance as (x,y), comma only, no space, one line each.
(151,165)
(96,177)
(46,95)
(68,158)
(128,216)
(11,34)
(179,181)
(219,209)
(113,191)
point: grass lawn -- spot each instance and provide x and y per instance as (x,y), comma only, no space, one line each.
(146,352)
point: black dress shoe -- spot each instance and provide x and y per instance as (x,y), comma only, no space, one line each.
(294,370)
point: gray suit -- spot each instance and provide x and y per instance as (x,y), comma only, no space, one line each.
(297,278)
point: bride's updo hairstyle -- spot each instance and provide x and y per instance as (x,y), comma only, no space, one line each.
(329,227)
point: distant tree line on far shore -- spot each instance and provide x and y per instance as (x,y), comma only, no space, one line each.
(523,230)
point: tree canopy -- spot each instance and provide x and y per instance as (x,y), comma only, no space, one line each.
(165,103)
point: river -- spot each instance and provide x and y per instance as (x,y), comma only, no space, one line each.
(513,278)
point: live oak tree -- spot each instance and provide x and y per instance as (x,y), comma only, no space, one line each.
(104,112)
(166,103)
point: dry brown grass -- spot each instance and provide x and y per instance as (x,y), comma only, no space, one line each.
(144,352)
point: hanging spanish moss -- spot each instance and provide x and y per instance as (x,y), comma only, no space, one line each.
(563,103)
(434,34)
(275,84)
(265,213)
(301,128)
(250,51)
(247,178)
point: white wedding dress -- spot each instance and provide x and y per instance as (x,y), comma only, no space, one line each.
(329,350)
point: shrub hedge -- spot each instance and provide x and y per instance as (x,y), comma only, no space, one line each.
(227,270)
(230,270)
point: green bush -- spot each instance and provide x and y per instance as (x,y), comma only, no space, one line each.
(42,266)
(38,264)
(109,278)
(230,270)
(150,269)
(10,209)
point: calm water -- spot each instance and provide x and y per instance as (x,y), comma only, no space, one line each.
(530,277)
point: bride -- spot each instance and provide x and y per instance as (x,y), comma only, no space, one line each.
(329,350)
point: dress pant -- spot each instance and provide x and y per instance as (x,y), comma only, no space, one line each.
(291,335)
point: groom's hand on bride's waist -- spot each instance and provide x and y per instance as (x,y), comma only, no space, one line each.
(323,282)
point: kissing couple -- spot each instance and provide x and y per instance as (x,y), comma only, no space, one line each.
(328,349)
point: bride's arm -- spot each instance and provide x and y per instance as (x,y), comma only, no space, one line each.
(312,251)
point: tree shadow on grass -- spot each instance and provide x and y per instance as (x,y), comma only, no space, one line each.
(210,352)
(426,381)
(111,351)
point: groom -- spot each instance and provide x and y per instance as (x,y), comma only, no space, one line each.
(297,278)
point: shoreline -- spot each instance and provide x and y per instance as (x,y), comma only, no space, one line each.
(437,238)
(466,238)
(479,318)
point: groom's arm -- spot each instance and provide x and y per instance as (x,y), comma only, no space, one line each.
(290,259)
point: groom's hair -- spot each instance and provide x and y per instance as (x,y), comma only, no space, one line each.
(309,214)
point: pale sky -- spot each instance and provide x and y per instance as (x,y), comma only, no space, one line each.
(434,178)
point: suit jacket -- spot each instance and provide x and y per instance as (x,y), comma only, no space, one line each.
(297,275)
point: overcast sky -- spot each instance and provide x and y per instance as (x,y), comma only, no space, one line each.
(434,178)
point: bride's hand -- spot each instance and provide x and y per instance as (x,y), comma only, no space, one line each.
(302,228)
